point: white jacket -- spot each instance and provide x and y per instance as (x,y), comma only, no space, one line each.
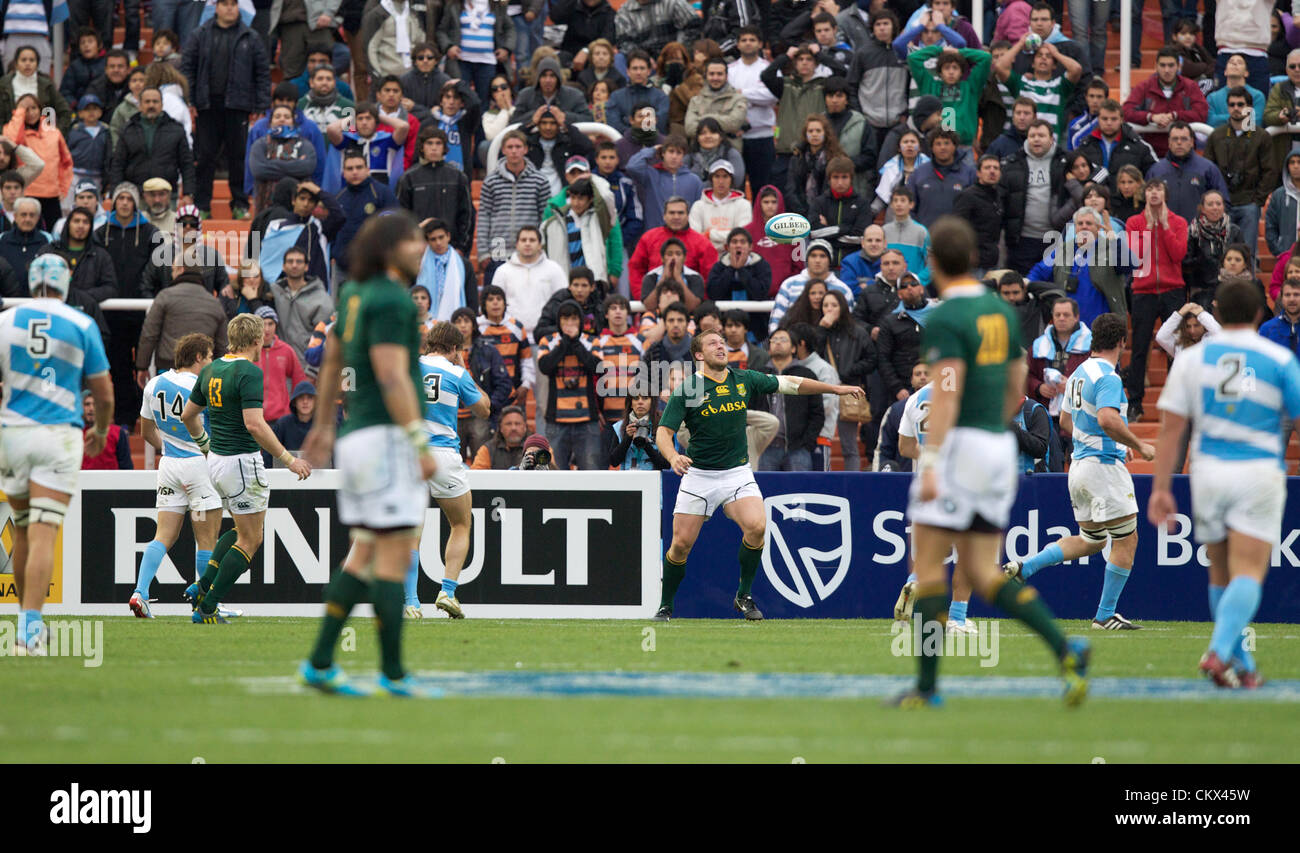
(555,242)
(529,286)
(715,219)
(1244,24)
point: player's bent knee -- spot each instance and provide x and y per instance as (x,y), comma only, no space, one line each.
(46,511)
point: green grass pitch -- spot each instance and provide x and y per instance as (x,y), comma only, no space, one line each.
(172,692)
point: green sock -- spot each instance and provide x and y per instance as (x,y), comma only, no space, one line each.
(224,544)
(749,559)
(342,594)
(387,599)
(932,610)
(1023,603)
(674,574)
(234,564)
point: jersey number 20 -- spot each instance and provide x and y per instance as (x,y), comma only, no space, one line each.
(994,340)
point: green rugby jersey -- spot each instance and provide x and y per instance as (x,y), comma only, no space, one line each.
(715,412)
(973,324)
(378,311)
(226,387)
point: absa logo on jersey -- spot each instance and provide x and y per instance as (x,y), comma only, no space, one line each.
(796,519)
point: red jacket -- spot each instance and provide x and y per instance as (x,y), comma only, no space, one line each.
(115,455)
(1187,104)
(1157,253)
(700,254)
(281,371)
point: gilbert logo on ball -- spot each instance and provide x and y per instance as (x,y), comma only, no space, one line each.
(787,227)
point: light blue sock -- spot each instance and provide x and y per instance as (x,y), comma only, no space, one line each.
(1110,590)
(1236,608)
(449,586)
(957,612)
(153,557)
(1216,593)
(413,581)
(201,563)
(1049,556)
(32,620)
(22,625)
(911,577)
(1242,658)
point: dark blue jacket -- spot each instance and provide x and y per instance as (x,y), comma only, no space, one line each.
(359,203)
(76,80)
(489,370)
(889,439)
(1187,181)
(306,127)
(90,153)
(1282,332)
(622,106)
(857,272)
(248,86)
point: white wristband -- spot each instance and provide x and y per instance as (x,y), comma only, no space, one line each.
(788,384)
(928,459)
(416,435)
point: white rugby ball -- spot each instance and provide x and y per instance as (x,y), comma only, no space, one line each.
(787,227)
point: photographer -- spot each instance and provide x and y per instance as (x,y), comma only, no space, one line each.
(537,455)
(630,441)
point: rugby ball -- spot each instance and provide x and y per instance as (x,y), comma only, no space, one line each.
(787,227)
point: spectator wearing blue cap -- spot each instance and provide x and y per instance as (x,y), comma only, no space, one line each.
(89,141)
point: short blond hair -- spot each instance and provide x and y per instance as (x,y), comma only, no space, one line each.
(245,331)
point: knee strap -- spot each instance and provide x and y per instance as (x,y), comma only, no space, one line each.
(47,511)
(21,517)
(1095,535)
(1121,529)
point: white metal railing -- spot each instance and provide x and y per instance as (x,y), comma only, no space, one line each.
(1279,129)
(144,304)
(1125,49)
(584,126)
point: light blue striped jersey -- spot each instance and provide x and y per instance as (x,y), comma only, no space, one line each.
(447,387)
(164,400)
(1235,387)
(47,349)
(915,422)
(477,39)
(1095,385)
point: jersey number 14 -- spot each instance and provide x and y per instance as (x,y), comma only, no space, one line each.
(176,407)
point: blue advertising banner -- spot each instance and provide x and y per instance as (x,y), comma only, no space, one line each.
(838,547)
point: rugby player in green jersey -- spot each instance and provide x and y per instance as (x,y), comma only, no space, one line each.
(967,477)
(383,455)
(230,389)
(715,471)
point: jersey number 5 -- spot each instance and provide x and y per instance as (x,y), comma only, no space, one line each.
(994,339)
(38,343)
(214,392)
(432,387)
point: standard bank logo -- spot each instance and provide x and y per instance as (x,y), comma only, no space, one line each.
(807,518)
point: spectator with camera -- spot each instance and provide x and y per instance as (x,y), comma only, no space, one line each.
(537,455)
(1244,154)
(572,412)
(630,441)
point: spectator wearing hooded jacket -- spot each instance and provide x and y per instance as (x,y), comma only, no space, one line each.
(552,143)
(579,234)
(129,241)
(721,209)
(550,91)
(660,174)
(623,103)
(1281,221)
(92,268)
(878,78)
(769,202)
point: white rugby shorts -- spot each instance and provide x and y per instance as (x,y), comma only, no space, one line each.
(702,491)
(978,476)
(48,456)
(381,489)
(1099,491)
(184,483)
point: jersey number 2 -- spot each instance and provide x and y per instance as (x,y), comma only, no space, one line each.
(176,406)
(1231,373)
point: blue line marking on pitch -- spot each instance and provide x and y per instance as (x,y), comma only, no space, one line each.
(822,686)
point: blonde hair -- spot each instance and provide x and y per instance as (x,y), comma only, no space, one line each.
(244,332)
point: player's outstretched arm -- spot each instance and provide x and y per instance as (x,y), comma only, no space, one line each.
(260,430)
(392,367)
(803,386)
(101,390)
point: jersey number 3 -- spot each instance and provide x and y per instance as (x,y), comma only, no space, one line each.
(432,387)
(994,339)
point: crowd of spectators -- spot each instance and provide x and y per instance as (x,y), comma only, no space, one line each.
(872,119)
